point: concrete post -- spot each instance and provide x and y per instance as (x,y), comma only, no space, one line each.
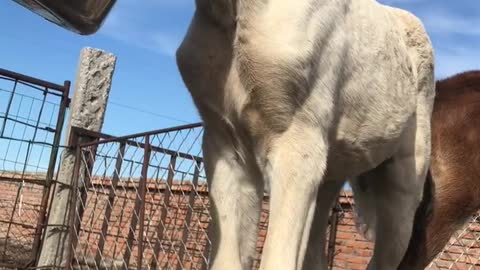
(87,110)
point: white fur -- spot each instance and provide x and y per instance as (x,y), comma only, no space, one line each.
(303,94)
(366,200)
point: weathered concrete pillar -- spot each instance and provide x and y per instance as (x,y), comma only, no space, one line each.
(87,110)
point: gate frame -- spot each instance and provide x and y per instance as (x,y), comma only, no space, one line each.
(61,91)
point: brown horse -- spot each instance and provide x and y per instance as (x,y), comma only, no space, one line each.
(452,189)
(455,169)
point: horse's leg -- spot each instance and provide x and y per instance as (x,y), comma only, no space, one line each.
(398,186)
(365,207)
(396,200)
(315,258)
(295,165)
(235,197)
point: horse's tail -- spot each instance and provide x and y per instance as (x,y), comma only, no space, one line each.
(425,209)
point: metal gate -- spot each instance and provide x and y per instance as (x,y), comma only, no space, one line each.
(141,201)
(32,113)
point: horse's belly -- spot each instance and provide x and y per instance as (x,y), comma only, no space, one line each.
(358,146)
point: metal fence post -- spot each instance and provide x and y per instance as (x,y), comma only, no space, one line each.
(188,219)
(91,90)
(139,210)
(51,167)
(143,190)
(162,226)
(111,202)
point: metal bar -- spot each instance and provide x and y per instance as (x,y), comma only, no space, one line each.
(143,191)
(17,198)
(156,188)
(39,182)
(121,217)
(188,218)
(31,97)
(143,134)
(90,161)
(332,235)
(165,151)
(131,233)
(27,226)
(170,152)
(206,254)
(81,192)
(51,169)
(86,230)
(110,138)
(73,208)
(39,114)
(27,157)
(166,201)
(29,79)
(15,266)
(134,223)
(93,211)
(149,189)
(91,217)
(26,141)
(111,202)
(9,105)
(83,189)
(65,227)
(119,227)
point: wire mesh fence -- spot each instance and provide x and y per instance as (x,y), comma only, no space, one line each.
(353,251)
(463,249)
(31,119)
(143,204)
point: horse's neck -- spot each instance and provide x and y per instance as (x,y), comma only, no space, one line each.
(222,12)
(226,12)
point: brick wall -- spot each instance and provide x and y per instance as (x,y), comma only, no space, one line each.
(18,220)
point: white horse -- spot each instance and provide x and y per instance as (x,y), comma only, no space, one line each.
(304,94)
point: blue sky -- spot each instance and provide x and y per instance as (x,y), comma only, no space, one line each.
(144,34)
